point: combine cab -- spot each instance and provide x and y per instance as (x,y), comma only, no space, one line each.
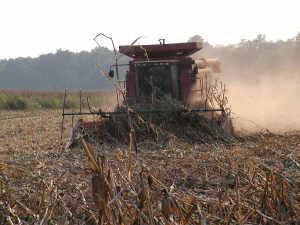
(165,80)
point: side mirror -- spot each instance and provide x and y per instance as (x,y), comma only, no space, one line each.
(111,73)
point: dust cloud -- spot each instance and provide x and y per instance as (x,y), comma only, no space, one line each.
(271,102)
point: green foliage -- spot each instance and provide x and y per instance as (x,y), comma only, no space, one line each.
(23,100)
(3,98)
(58,71)
(71,102)
(49,103)
(14,102)
(55,102)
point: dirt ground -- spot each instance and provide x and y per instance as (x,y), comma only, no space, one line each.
(256,180)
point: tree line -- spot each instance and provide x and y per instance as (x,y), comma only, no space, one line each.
(250,60)
(247,60)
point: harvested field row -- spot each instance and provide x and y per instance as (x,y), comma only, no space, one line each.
(161,128)
(255,180)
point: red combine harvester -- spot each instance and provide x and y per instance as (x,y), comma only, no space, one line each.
(164,78)
(166,71)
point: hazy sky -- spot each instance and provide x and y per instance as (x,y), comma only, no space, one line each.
(34,27)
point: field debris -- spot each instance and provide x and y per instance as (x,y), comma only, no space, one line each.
(256,180)
(160,128)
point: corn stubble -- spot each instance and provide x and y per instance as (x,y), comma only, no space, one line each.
(255,180)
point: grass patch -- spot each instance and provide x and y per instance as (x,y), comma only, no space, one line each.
(25,100)
(16,103)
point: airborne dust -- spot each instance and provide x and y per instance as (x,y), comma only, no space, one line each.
(263,82)
(271,102)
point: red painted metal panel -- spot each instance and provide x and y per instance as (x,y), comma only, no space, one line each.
(160,51)
(175,53)
(185,84)
(131,84)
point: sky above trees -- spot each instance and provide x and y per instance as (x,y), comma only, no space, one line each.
(33,27)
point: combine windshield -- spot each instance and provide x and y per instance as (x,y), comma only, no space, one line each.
(156,80)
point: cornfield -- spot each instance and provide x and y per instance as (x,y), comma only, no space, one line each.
(253,180)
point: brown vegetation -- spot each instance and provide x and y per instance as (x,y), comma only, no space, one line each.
(249,179)
(254,181)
